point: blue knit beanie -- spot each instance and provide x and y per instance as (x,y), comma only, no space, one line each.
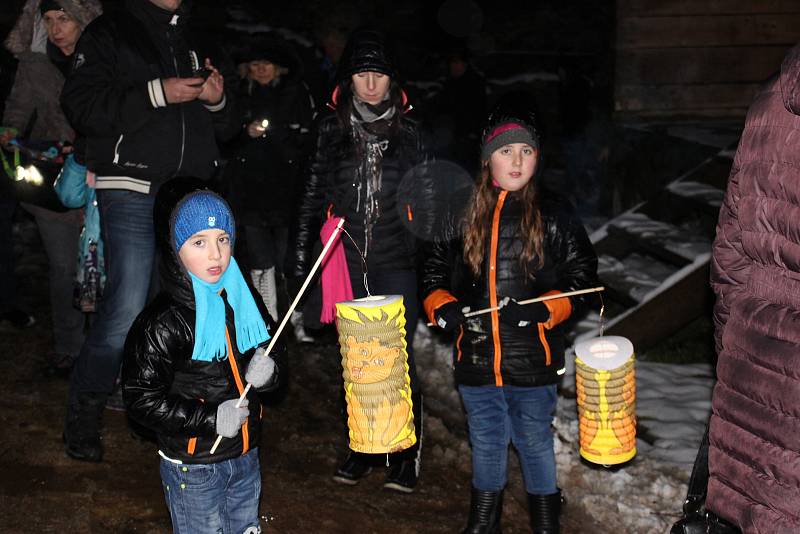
(200,211)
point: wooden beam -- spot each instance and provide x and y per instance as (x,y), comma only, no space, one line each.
(632,8)
(708,30)
(634,98)
(698,65)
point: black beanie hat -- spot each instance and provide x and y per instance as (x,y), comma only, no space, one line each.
(511,121)
(365,50)
(49,5)
(267,50)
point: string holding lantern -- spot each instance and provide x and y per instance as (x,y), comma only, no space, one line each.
(377,385)
(605,383)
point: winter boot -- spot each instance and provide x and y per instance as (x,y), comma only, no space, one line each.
(403,474)
(264,282)
(82,433)
(485,510)
(354,468)
(299,328)
(545,511)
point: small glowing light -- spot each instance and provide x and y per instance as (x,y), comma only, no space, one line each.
(604,349)
(34,177)
(265,124)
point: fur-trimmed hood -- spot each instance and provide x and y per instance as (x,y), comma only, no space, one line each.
(25,36)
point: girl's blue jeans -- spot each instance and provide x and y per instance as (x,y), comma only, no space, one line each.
(498,416)
(220,498)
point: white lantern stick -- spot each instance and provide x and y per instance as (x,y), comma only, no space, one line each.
(538,299)
(286,317)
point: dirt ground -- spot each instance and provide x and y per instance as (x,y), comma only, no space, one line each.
(42,490)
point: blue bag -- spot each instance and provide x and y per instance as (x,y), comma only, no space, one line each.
(71,185)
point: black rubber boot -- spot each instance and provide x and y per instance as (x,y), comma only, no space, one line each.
(545,511)
(485,510)
(84,422)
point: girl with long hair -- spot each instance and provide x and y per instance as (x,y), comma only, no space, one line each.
(514,242)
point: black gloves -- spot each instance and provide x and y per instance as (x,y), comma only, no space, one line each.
(522,315)
(449,316)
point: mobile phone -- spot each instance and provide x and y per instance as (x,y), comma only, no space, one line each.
(202,73)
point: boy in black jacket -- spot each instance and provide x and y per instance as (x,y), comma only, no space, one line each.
(184,364)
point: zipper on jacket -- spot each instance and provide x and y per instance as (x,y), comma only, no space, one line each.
(545,344)
(240,388)
(174,22)
(190,448)
(458,342)
(498,352)
(116,149)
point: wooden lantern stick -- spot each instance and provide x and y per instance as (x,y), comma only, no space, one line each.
(288,314)
(538,299)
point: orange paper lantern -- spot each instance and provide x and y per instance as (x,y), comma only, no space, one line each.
(606,390)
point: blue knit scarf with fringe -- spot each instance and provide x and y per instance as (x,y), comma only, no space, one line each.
(209,325)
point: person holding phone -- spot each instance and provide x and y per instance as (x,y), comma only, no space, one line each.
(148,116)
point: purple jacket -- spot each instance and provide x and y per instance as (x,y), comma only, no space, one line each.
(754,456)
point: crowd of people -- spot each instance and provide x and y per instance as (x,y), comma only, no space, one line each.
(195,163)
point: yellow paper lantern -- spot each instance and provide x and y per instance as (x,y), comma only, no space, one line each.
(606,389)
(372,337)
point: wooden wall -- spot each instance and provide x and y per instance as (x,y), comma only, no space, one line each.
(698,58)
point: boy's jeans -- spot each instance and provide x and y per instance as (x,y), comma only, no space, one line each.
(213,498)
(498,416)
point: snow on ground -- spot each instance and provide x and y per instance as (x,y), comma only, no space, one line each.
(643,496)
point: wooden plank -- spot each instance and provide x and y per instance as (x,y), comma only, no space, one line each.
(698,65)
(634,8)
(632,98)
(667,312)
(708,30)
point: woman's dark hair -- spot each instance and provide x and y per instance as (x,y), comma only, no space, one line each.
(344,104)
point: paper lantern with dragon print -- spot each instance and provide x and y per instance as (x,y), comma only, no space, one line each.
(372,338)
(606,390)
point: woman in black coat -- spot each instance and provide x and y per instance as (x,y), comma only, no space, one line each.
(365,150)
(264,175)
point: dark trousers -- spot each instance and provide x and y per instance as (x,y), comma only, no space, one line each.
(266,246)
(60,233)
(397,283)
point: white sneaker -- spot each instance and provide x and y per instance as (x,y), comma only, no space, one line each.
(299,329)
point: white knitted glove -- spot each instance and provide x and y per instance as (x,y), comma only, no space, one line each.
(260,370)
(230,418)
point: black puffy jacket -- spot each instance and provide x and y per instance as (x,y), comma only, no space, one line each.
(488,351)
(109,97)
(263,176)
(164,389)
(332,189)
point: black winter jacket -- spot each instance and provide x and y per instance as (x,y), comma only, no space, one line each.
(114,97)
(488,351)
(163,388)
(264,175)
(332,189)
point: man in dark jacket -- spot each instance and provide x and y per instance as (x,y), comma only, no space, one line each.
(150,102)
(754,434)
